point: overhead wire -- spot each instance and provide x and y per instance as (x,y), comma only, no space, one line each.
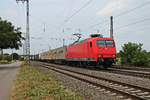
(132,9)
(39,38)
(123,13)
(139,30)
(76,12)
(102,22)
(127,25)
(86,4)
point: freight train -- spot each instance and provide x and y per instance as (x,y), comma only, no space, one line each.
(94,51)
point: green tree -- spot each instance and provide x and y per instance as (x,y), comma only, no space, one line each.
(10,37)
(133,54)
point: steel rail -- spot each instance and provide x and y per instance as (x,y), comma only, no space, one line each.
(129,72)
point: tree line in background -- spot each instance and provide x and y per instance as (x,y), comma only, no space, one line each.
(10,37)
(133,54)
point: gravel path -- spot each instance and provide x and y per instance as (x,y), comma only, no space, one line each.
(7,75)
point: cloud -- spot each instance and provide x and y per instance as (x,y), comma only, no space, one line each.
(113,6)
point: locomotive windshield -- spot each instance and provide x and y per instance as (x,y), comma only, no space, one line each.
(105,43)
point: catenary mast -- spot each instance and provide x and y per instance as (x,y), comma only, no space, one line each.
(27,34)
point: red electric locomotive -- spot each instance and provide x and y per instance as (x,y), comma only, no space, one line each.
(92,51)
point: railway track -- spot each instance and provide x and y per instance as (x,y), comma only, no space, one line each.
(132,68)
(136,73)
(142,74)
(123,90)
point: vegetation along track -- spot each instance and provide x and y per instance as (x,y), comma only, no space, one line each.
(124,90)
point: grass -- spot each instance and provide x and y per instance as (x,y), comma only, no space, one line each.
(34,84)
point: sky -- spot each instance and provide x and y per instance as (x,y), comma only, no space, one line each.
(51,21)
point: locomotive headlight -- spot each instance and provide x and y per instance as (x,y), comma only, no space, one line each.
(114,55)
(99,56)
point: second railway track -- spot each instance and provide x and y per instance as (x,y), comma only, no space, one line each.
(127,91)
(142,74)
(145,69)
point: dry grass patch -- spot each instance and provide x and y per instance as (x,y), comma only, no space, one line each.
(33,84)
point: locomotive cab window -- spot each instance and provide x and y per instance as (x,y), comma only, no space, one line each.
(101,43)
(109,44)
(105,43)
